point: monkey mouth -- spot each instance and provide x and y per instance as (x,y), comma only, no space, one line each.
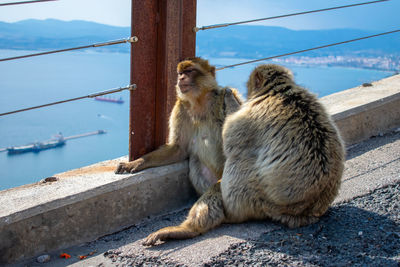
(184,88)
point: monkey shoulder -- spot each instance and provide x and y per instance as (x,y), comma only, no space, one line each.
(180,125)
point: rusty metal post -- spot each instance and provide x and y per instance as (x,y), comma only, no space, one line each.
(165,32)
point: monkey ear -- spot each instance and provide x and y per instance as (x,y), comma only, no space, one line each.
(258,79)
(212,71)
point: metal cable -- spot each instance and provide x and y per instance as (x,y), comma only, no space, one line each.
(26,2)
(306,50)
(128,40)
(196,29)
(111,91)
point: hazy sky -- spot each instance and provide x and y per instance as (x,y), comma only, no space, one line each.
(381,16)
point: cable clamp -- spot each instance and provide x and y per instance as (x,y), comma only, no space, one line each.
(132,87)
(132,39)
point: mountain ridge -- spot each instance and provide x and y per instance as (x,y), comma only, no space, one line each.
(237,41)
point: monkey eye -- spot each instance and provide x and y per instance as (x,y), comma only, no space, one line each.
(187,71)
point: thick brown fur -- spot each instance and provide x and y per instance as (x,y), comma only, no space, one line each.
(195,126)
(284,160)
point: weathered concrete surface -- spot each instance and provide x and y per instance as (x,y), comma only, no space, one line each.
(362,112)
(88,203)
(371,164)
(83,205)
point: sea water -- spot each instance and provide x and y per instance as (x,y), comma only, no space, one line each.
(40,80)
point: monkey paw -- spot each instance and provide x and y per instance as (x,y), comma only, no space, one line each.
(129,167)
(121,168)
(228,91)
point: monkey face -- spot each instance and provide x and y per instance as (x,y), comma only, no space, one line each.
(187,79)
(195,78)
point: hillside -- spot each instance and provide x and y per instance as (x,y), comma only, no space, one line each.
(54,34)
(248,41)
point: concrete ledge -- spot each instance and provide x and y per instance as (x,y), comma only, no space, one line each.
(90,202)
(362,112)
(85,204)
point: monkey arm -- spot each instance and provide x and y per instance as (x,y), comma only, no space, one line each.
(164,155)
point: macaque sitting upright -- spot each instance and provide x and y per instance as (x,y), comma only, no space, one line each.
(195,126)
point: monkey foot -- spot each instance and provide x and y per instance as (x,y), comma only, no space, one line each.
(151,239)
(173,232)
(161,235)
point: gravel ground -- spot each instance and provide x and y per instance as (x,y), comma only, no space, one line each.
(361,232)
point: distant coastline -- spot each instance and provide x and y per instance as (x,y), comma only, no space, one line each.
(386,63)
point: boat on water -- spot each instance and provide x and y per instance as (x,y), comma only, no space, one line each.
(109,99)
(58,140)
(20,149)
(37,146)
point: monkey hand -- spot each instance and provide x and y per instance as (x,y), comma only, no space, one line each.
(130,167)
(228,92)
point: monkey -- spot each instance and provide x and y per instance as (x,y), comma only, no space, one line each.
(284,160)
(195,126)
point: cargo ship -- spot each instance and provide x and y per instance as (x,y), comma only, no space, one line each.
(37,146)
(57,141)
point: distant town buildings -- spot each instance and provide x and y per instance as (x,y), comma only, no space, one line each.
(387,63)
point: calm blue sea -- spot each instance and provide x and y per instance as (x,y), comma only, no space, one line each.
(39,80)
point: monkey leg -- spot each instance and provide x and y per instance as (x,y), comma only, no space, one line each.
(206,213)
(172,232)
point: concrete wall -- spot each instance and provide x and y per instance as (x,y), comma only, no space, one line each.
(85,204)
(363,112)
(90,202)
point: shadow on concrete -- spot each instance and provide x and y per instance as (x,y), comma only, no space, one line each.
(371,144)
(370,170)
(345,236)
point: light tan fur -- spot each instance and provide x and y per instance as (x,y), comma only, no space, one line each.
(195,126)
(284,160)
